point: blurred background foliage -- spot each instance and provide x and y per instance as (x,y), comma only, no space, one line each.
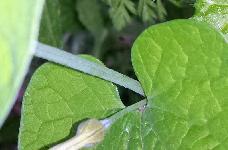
(105,29)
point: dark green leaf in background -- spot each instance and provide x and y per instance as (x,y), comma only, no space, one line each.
(90,15)
(146,10)
(120,11)
(161,12)
(59,17)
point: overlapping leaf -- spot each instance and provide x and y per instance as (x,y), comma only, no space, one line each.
(182,66)
(184,77)
(19,21)
(57,99)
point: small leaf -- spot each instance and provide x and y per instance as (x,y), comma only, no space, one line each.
(57,98)
(161,10)
(146,10)
(19,21)
(150,10)
(119,12)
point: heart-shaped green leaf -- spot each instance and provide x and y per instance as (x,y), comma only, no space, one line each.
(57,98)
(19,22)
(183,68)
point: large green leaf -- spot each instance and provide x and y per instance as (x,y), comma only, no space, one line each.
(57,98)
(214,12)
(19,22)
(185,78)
(58,18)
(183,68)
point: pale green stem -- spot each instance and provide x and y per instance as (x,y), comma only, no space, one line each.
(140,106)
(78,63)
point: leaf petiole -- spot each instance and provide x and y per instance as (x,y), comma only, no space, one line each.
(75,62)
(139,105)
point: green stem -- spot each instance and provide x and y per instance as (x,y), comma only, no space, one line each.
(78,63)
